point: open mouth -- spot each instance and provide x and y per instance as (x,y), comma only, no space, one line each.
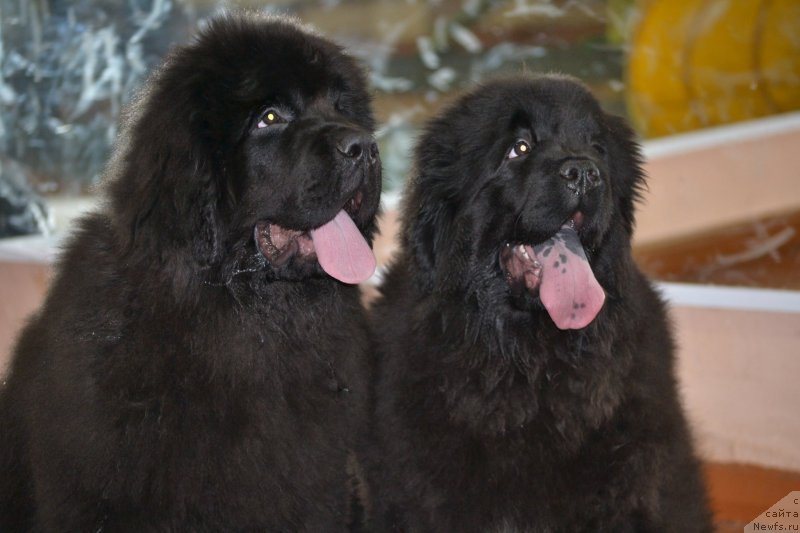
(558,272)
(337,245)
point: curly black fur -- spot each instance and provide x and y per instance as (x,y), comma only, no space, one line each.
(175,379)
(489,418)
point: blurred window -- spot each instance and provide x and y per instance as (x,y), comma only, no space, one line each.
(68,68)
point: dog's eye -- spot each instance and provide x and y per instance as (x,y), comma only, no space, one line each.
(599,148)
(520,148)
(269,118)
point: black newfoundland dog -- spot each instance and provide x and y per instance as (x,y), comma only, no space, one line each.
(200,363)
(525,379)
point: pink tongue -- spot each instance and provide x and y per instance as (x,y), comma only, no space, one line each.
(342,251)
(569,290)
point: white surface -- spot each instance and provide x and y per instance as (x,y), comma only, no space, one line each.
(45,249)
(738,298)
(721,136)
(33,249)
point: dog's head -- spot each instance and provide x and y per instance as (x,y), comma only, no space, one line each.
(524,195)
(253,149)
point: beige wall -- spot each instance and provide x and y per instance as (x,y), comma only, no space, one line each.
(22,288)
(739,372)
(721,176)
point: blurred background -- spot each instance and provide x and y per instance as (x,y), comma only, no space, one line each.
(711,86)
(67,69)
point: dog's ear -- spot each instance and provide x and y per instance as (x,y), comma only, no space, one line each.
(164,186)
(431,202)
(204,211)
(427,220)
(626,168)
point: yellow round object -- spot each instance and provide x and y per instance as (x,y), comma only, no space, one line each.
(699,63)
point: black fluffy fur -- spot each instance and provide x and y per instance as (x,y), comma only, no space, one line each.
(175,379)
(488,417)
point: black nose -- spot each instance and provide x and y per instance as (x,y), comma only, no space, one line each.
(580,175)
(357,145)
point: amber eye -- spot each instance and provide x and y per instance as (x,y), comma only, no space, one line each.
(269,118)
(520,148)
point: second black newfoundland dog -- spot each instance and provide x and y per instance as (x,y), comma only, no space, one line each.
(200,363)
(525,376)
